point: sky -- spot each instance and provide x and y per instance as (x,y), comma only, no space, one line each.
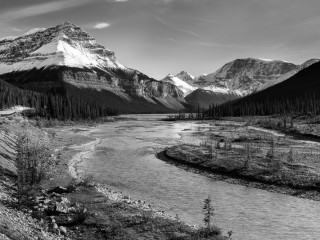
(158,37)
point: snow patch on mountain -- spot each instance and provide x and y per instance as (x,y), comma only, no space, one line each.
(34,30)
(8,38)
(270,60)
(217,89)
(181,84)
(266,59)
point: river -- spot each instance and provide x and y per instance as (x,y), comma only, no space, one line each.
(125,160)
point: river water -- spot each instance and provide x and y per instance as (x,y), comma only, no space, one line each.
(125,160)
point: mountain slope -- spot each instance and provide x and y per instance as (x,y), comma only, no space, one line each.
(204,98)
(243,76)
(66,59)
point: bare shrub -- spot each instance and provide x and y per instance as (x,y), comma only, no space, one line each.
(35,161)
(248,154)
(290,156)
(271,152)
(227,145)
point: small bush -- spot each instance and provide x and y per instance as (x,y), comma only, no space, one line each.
(209,232)
(80,215)
(290,156)
(86,180)
(71,187)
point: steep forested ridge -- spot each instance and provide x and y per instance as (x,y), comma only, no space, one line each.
(299,94)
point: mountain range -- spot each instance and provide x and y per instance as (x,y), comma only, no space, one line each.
(68,61)
(235,79)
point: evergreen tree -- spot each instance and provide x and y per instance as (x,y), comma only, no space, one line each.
(208,211)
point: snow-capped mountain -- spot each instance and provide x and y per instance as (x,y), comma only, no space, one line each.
(195,94)
(243,76)
(235,79)
(69,60)
(63,45)
(182,81)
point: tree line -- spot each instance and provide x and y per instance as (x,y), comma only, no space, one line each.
(52,104)
(309,103)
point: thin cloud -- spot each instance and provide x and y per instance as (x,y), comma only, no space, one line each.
(40,9)
(101,25)
(167,1)
(178,28)
(212,44)
(17,29)
(116,0)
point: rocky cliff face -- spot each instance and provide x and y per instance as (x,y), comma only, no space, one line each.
(66,56)
(243,76)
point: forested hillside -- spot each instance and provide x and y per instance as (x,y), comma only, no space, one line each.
(51,105)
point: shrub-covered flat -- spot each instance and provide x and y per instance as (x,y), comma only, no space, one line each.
(254,156)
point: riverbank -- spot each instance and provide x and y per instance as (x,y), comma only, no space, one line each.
(113,215)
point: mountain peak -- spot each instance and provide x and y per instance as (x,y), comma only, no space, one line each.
(185,76)
(68,24)
(182,81)
(62,45)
